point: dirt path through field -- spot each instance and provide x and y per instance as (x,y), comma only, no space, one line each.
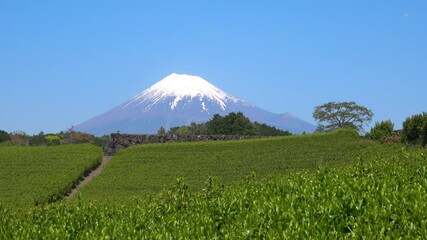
(94,173)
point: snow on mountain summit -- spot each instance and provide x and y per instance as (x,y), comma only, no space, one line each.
(180,86)
(181,99)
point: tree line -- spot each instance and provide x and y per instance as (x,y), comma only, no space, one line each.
(21,138)
(231,124)
(333,115)
(329,116)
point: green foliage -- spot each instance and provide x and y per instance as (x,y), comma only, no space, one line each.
(19,134)
(38,140)
(320,128)
(161,131)
(381,199)
(14,142)
(36,175)
(17,138)
(265,130)
(183,130)
(342,115)
(415,129)
(101,141)
(381,130)
(145,169)
(231,124)
(53,140)
(68,137)
(4,136)
(198,129)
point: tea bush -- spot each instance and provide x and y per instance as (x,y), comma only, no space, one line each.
(381,199)
(37,175)
(147,169)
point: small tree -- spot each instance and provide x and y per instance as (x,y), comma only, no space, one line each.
(415,129)
(53,140)
(381,130)
(183,130)
(4,136)
(161,131)
(342,114)
(231,124)
(39,139)
(215,125)
(19,138)
(197,129)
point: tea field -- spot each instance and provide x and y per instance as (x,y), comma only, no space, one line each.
(37,175)
(147,169)
(318,186)
(381,199)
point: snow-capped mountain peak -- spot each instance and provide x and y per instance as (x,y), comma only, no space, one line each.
(181,99)
(180,86)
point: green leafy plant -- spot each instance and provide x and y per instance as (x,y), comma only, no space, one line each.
(146,169)
(38,175)
(381,199)
(4,136)
(381,130)
(231,124)
(415,129)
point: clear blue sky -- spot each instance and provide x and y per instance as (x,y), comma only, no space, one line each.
(63,62)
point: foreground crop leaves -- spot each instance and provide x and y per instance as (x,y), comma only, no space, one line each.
(145,170)
(386,200)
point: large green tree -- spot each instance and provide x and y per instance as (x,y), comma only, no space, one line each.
(231,124)
(415,129)
(334,115)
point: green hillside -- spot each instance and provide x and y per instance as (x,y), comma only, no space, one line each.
(35,175)
(146,169)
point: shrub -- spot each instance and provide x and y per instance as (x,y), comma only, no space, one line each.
(415,129)
(4,136)
(382,130)
(349,132)
(14,142)
(53,140)
(80,137)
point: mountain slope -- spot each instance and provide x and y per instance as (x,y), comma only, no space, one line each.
(180,99)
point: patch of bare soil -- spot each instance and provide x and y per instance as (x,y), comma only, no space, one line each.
(88,178)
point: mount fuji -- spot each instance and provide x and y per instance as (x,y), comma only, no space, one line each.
(180,99)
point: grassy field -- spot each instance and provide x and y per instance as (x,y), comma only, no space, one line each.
(146,169)
(382,199)
(36,175)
